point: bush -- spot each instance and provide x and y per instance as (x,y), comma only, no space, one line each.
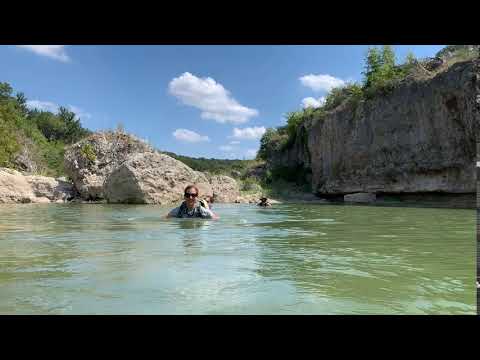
(88,152)
(250,184)
(337,96)
(272,141)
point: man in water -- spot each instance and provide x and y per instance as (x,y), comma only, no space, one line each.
(191,208)
(264,202)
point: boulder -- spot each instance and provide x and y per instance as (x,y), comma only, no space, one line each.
(52,189)
(17,188)
(152,178)
(14,188)
(360,198)
(91,160)
(224,188)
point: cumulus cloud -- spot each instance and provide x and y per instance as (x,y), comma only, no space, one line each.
(321,82)
(189,136)
(211,98)
(52,107)
(56,52)
(249,133)
(250,153)
(82,114)
(312,102)
(42,105)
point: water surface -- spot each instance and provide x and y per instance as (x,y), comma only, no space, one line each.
(289,259)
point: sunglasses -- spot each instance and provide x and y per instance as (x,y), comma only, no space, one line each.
(189,195)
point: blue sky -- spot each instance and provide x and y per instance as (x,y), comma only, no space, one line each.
(210,101)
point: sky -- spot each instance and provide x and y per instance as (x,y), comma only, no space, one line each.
(200,101)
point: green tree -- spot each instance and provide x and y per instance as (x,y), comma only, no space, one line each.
(373,64)
(73,129)
(8,134)
(410,59)
(5,90)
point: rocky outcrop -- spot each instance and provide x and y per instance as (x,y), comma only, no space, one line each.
(420,137)
(152,178)
(224,188)
(91,160)
(120,168)
(17,188)
(55,190)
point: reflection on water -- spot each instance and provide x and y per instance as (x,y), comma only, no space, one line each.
(311,259)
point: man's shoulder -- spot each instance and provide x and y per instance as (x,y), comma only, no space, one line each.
(174,211)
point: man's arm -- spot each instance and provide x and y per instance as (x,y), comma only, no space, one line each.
(172,213)
(208,214)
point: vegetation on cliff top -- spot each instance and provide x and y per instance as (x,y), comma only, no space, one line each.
(32,138)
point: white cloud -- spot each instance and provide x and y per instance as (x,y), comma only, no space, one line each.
(249,133)
(226,148)
(56,52)
(234,142)
(42,105)
(251,153)
(211,98)
(52,107)
(79,112)
(312,102)
(321,82)
(189,136)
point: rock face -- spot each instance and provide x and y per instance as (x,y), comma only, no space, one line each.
(14,188)
(360,198)
(224,188)
(53,189)
(152,178)
(418,138)
(91,160)
(17,188)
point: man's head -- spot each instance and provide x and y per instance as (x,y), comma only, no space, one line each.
(209,199)
(190,195)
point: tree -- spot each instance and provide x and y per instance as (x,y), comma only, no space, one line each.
(265,142)
(410,59)
(22,102)
(388,62)
(50,125)
(373,63)
(5,91)
(73,129)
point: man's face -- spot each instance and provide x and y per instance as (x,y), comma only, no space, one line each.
(190,196)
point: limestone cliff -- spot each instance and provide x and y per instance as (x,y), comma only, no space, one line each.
(420,137)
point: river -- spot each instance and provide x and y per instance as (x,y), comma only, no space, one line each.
(288,259)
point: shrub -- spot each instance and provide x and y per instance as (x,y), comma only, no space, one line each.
(88,152)
(337,96)
(250,184)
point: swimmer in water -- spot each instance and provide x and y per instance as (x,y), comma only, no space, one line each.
(191,208)
(264,202)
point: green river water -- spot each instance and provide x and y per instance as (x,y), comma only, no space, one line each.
(289,259)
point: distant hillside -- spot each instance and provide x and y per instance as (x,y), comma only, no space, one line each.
(32,140)
(215,166)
